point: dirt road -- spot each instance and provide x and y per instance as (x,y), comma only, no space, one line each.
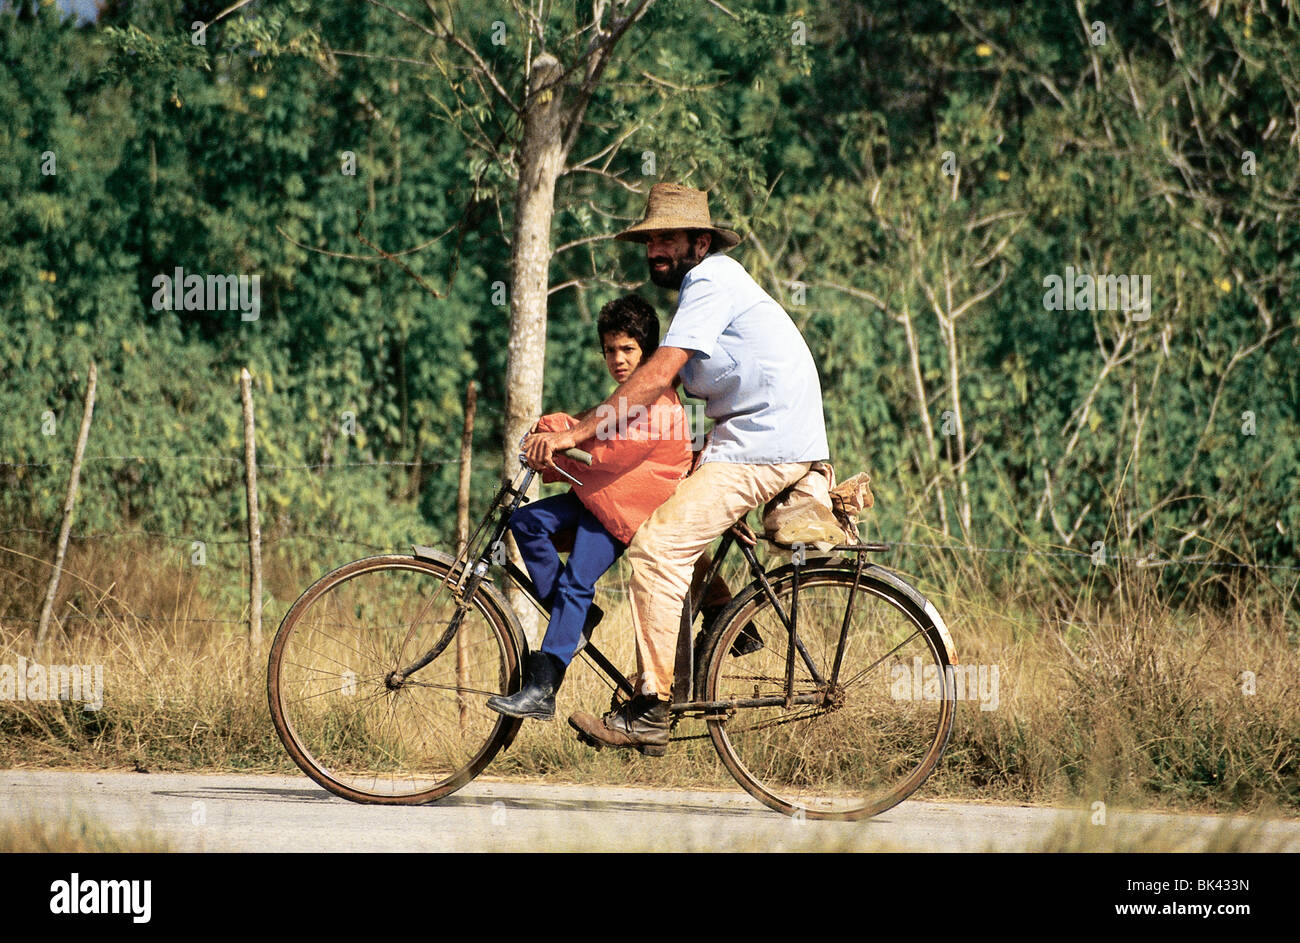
(250,813)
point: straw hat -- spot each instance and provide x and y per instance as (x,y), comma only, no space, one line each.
(673,206)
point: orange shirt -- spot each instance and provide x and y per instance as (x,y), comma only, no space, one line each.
(634,469)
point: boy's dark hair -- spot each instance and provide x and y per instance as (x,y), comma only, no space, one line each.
(634,316)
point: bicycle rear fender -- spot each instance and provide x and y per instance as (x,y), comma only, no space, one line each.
(885,576)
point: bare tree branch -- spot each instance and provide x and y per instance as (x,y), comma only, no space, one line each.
(448,35)
(715,3)
(603,51)
(855,292)
(364,258)
(228,10)
(606,174)
(979,296)
(609,149)
(604,280)
(654,79)
(371,55)
(599,237)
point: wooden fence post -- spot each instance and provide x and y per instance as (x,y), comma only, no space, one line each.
(254,525)
(466,450)
(65,528)
(462,530)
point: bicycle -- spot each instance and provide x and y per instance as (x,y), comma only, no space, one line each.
(379,672)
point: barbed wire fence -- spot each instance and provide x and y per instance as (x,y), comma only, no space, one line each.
(250,469)
(253,540)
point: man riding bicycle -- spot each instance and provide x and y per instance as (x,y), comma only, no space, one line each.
(736,348)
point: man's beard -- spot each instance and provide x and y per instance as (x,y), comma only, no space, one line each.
(671,277)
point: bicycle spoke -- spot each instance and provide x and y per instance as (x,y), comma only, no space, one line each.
(448,687)
(873,665)
(870,743)
(346,727)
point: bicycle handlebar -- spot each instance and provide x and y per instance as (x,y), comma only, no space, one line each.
(578,455)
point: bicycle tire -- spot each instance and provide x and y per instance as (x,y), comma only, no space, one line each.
(330,689)
(877,741)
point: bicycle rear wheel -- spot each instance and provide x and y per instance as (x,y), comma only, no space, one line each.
(355,727)
(855,747)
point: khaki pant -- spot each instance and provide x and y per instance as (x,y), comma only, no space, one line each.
(664,551)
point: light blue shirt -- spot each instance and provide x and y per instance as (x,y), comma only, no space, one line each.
(751,367)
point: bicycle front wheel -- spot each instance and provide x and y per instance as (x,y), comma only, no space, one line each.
(872,692)
(346,710)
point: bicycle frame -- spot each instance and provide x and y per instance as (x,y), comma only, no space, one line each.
(512,495)
(789,620)
(326,645)
(472,576)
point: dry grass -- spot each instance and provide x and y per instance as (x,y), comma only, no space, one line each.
(75,835)
(1128,703)
(1131,703)
(181,689)
(1229,837)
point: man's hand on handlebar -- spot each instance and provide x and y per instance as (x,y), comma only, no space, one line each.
(540,448)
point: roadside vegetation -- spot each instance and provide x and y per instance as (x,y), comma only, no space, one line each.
(1130,703)
(75,834)
(1099,492)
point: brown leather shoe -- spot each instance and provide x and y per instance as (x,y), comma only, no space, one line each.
(641,724)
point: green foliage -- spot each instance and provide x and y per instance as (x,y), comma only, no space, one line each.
(233,155)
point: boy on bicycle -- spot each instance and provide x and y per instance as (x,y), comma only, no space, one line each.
(637,463)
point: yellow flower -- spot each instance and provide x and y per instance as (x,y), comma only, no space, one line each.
(45,276)
(983,49)
(1003,175)
(257,91)
(1225,285)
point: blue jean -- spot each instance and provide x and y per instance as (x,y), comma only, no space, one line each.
(567,591)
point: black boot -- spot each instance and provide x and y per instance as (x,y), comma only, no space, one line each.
(542,676)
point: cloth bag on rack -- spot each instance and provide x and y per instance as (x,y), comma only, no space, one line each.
(815,510)
(803,513)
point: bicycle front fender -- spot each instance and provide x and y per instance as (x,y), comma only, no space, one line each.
(487,589)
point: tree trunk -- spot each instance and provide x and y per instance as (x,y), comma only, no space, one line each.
(923,407)
(541,160)
(948,327)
